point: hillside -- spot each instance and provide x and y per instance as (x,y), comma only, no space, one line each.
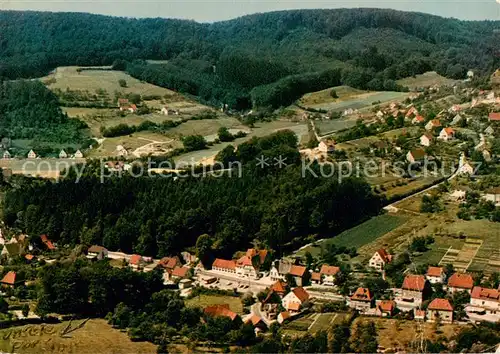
(283,53)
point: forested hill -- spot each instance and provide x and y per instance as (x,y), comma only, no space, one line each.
(372,47)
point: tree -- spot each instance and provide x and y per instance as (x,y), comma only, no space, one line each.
(225,135)
(333,93)
(194,142)
(364,338)
(122,83)
(204,249)
(25,310)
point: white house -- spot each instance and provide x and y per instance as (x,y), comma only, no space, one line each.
(326,146)
(31,155)
(380,114)
(492,195)
(486,155)
(433,124)
(487,299)
(279,270)
(328,274)
(6,155)
(63,154)
(380,259)
(294,300)
(415,155)
(470,74)
(97,252)
(446,134)
(435,275)
(164,110)
(224,265)
(78,154)
(440,308)
(426,139)
(489,130)
(466,169)
(121,151)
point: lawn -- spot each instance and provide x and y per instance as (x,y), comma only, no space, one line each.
(324,321)
(361,234)
(210,300)
(427,79)
(95,336)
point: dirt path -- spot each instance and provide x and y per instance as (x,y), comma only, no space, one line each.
(145,149)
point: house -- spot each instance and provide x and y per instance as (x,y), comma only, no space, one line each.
(418,315)
(433,124)
(454,109)
(326,146)
(466,169)
(486,155)
(414,289)
(31,155)
(460,282)
(386,308)
(494,117)
(78,154)
(136,262)
(185,283)
(361,300)
(164,110)
(221,311)
(10,280)
(470,74)
(426,139)
(380,114)
(294,300)
(446,134)
(280,288)
(298,272)
(328,274)
(12,249)
(30,258)
(316,278)
(457,119)
(169,263)
(380,259)
(492,195)
(132,108)
(180,273)
(45,240)
(415,155)
(440,308)
(486,299)
(418,120)
(63,155)
(489,130)
(258,323)
(97,252)
(279,270)
(411,112)
(6,155)
(435,275)
(284,316)
(249,264)
(224,265)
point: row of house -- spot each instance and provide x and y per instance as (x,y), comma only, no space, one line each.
(247,266)
(32,155)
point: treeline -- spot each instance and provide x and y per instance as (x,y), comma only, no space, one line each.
(161,216)
(221,63)
(125,129)
(28,110)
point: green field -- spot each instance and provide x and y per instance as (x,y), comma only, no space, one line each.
(210,300)
(427,79)
(331,126)
(362,101)
(361,234)
(324,96)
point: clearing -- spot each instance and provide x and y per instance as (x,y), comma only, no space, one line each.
(324,96)
(427,79)
(94,336)
(210,300)
(359,235)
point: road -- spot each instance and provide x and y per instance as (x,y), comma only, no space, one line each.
(258,285)
(257,310)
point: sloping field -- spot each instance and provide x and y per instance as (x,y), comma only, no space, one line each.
(361,101)
(324,96)
(427,79)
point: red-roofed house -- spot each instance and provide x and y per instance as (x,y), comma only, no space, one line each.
(433,124)
(487,299)
(279,288)
(221,311)
(494,117)
(136,262)
(316,278)
(328,274)
(361,300)
(426,139)
(50,246)
(169,263)
(435,275)
(298,272)
(415,155)
(440,308)
(249,264)
(418,120)
(386,308)
(180,272)
(10,280)
(411,112)
(224,265)
(284,316)
(414,289)
(258,323)
(446,134)
(97,252)
(294,300)
(419,315)
(460,282)
(380,259)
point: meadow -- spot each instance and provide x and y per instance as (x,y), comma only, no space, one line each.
(427,79)
(211,300)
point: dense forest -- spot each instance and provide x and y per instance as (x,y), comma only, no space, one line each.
(261,59)
(277,208)
(28,110)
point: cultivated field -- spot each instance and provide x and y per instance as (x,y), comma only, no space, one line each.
(93,337)
(362,101)
(210,300)
(361,234)
(427,79)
